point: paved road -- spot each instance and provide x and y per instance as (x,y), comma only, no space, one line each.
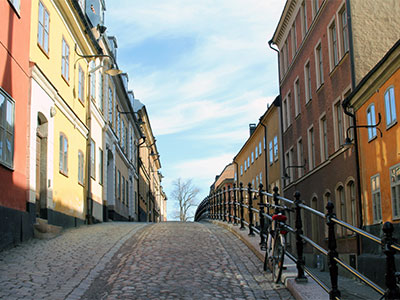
(132,261)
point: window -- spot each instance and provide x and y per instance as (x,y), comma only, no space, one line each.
(271,153)
(101,165)
(245,165)
(390,107)
(81,163)
(307,81)
(123,134)
(297,108)
(241,170)
(300,157)
(257,184)
(119,185)
(338,117)
(315,4)
(101,98)
(256,152)
(259,147)
(92,81)
(371,121)
(311,148)
(7,114)
(294,39)
(304,18)
(289,162)
(248,162)
(43,30)
(81,85)
(63,154)
(276,147)
(341,206)
(286,112)
(118,126)
(110,105)
(92,159)
(395,188)
(126,139)
(344,29)
(260,177)
(333,45)
(319,65)
(264,142)
(376,199)
(123,190)
(351,188)
(16,4)
(65,60)
(286,56)
(252,157)
(324,138)
(82,4)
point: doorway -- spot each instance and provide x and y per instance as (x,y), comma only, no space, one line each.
(41,166)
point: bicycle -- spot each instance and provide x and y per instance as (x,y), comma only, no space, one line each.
(276,243)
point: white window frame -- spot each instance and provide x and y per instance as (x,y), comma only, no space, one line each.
(7,129)
(333,44)
(319,65)
(252,157)
(276,148)
(307,81)
(311,147)
(371,120)
(297,101)
(43,39)
(338,132)
(271,153)
(256,152)
(395,189)
(304,25)
(81,163)
(300,156)
(65,55)
(294,38)
(259,148)
(323,137)
(390,107)
(376,202)
(343,37)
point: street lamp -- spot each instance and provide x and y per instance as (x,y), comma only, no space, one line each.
(286,176)
(348,142)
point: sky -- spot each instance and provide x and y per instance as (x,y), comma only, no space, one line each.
(204,70)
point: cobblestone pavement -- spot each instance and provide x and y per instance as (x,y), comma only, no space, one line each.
(63,267)
(184,261)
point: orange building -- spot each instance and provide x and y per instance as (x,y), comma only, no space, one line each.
(15,224)
(376,101)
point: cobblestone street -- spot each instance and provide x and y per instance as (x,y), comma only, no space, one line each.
(132,261)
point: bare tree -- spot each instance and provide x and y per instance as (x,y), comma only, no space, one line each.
(185,194)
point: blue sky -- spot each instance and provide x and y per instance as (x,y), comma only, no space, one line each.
(204,71)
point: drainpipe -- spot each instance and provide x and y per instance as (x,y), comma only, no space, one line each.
(353,116)
(282,158)
(265,155)
(138,170)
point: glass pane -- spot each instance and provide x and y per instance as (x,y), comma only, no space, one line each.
(40,13)
(1,144)
(10,116)
(9,145)
(387,108)
(392,104)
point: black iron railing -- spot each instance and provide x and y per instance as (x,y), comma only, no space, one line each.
(236,204)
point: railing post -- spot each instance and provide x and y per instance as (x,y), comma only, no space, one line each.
(251,233)
(224,215)
(332,253)
(276,194)
(229,204)
(241,207)
(392,291)
(299,240)
(234,205)
(261,204)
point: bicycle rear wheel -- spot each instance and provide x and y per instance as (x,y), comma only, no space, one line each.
(278,256)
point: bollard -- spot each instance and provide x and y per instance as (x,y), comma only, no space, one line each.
(332,253)
(251,233)
(234,205)
(241,207)
(392,291)
(299,240)
(263,245)
(229,204)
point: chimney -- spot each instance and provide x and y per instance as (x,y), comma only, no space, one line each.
(252,128)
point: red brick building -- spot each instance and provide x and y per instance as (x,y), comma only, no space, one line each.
(15,223)
(325,49)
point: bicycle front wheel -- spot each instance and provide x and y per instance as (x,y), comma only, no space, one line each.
(278,256)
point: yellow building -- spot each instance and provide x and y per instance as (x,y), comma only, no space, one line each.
(59,110)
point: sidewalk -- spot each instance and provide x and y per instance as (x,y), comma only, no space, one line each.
(310,290)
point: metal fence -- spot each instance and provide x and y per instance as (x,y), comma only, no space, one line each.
(234,205)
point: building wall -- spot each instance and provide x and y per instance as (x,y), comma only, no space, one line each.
(375,30)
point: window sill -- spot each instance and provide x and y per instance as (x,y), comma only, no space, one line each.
(63,173)
(319,88)
(44,51)
(16,10)
(391,125)
(65,79)
(308,102)
(10,168)
(372,139)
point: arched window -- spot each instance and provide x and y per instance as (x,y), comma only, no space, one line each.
(63,154)
(390,106)
(371,121)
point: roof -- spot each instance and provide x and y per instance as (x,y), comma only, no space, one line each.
(227,173)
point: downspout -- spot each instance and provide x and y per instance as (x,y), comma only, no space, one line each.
(282,158)
(138,169)
(353,116)
(265,155)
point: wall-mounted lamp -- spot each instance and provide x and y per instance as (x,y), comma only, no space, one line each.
(286,176)
(348,142)
(113,71)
